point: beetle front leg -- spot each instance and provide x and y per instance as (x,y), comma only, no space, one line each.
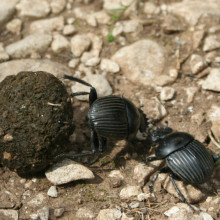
(163,170)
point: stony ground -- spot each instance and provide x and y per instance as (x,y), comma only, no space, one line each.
(162,55)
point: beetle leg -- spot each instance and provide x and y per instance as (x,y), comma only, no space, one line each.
(149,159)
(102,144)
(79,93)
(163,170)
(178,191)
(92,95)
(71,156)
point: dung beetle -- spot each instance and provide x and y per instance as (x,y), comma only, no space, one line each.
(109,117)
(186,158)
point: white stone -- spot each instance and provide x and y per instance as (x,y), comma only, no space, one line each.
(7,9)
(80,12)
(197,63)
(3,55)
(79,44)
(52,192)
(102,17)
(130,191)
(99,82)
(15,66)
(205,216)
(9,214)
(192,11)
(32,43)
(109,214)
(143,196)
(190,92)
(116,174)
(14,26)
(59,43)
(141,62)
(109,66)
(167,93)
(33,8)
(153,108)
(43,213)
(91,20)
(112,4)
(212,82)
(67,171)
(59,212)
(85,213)
(171,211)
(211,43)
(47,25)
(151,8)
(73,63)
(57,6)
(94,61)
(69,29)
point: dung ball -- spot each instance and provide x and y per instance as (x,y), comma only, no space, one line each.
(36,120)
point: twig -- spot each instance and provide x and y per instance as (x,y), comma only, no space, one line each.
(53,104)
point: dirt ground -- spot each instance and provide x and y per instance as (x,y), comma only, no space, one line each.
(99,193)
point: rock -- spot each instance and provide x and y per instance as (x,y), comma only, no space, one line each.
(212,81)
(190,93)
(197,38)
(69,29)
(25,150)
(134,205)
(3,55)
(94,61)
(172,211)
(34,8)
(15,66)
(91,20)
(9,200)
(32,43)
(142,172)
(141,62)
(85,213)
(143,196)
(57,6)
(59,43)
(112,4)
(214,113)
(102,17)
(153,108)
(129,192)
(215,129)
(197,63)
(79,44)
(192,11)
(67,171)
(14,26)
(172,24)
(151,8)
(124,217)
(128,26)
(167,93)
(198,118)
(8,214)
(211,43)
(205,216)
(191,193)
(109,66)
(39,199)
(47,25)
(99,82)
(52,192)
(43,213)
(7,9)
(73,63)
(109,214)
(58,212)
(116,174)
(115,182)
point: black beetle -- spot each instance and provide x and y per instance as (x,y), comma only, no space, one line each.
(109,117)
(186,158)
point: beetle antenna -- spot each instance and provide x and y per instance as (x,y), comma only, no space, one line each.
(77,80)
